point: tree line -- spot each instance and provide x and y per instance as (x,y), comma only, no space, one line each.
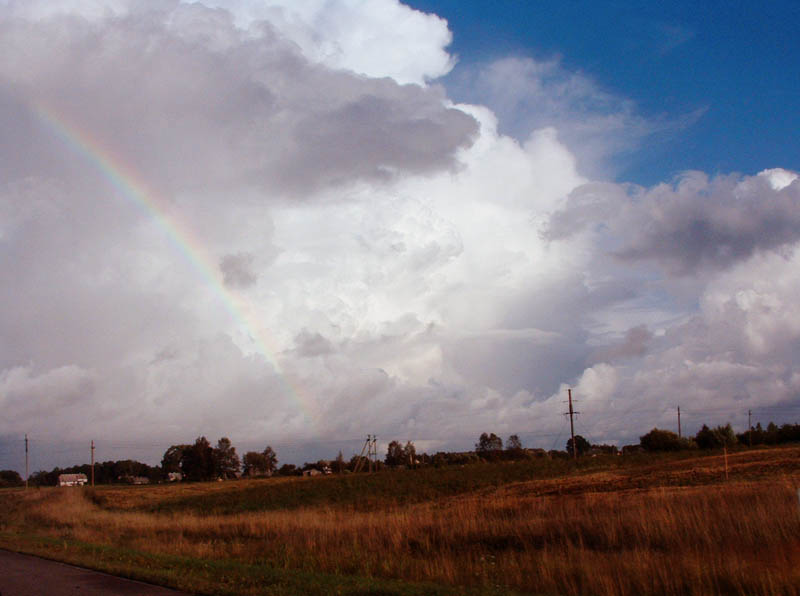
(199,461)
(720,436)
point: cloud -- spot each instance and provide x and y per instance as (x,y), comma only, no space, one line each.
(596,125)
(697,224)
(280,123)
(374,39)
(237,270)
(318,251)
(634,344)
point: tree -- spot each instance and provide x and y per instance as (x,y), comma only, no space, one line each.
(226,460)
(410,454)
(254,464)
(288,470)
(513,443)
(10,478)
(721,436)
(663,440)
(171,462)
(270,458)
(197,461)
(394,454)
(582,446)
(488,443)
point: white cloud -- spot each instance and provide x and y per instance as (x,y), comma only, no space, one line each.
(326,253)
(376,39)
(597,126)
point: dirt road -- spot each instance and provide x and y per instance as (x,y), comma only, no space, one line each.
(23,575)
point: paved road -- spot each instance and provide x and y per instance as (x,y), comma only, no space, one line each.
(23,575)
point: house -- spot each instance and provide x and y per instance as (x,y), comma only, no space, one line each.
(174,476)
(72,479)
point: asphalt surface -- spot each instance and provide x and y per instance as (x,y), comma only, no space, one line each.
(24,575)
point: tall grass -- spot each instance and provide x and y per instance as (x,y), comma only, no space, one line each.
(738,538)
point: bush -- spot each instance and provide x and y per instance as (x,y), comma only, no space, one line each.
(721,436)
(663,440)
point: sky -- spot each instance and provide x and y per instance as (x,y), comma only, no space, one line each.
(297,223)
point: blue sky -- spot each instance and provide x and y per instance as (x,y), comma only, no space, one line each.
(734,63)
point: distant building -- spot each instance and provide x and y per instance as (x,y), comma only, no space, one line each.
(72,479)
(174,476)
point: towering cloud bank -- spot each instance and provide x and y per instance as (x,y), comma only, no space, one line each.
(268,220)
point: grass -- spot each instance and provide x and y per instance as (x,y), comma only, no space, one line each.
(666,526)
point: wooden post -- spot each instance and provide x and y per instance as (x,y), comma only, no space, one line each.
(92,462)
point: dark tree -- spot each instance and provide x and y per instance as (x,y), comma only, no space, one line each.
(663,440)
(254,464)
(488,443)
(394,454)
(513,443)
(714,438)
(171,462)
(226,460)
(288,470)
(582,446)
(270,458)
(410,454)
(10,478)
(197,461)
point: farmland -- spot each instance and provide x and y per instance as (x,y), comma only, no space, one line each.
(607,525)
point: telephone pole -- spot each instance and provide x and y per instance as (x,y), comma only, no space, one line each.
(572,426)
(26,461)
(679,422)
(749,429)
(361,455)
(92,462)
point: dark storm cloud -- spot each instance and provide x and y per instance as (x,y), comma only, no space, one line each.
(229,107)
(694,226)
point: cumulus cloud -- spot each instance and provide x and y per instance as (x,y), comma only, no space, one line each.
(530,94)
(250,220)
(694,225)
(155,88)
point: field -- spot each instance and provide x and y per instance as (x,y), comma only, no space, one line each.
(606,526)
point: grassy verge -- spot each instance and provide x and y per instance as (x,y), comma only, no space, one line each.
(671,525)
(223,577)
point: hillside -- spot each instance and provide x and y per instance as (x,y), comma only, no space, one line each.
(640,525)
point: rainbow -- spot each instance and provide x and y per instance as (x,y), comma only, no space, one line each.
(127,181)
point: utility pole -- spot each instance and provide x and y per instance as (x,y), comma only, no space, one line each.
(361,455)
(572,426)
(26,461)
(375,450)
(92,462)
(679,422)
(749,428)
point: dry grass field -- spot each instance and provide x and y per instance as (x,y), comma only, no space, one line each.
(665,526)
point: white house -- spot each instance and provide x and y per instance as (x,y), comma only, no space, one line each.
(72,479)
